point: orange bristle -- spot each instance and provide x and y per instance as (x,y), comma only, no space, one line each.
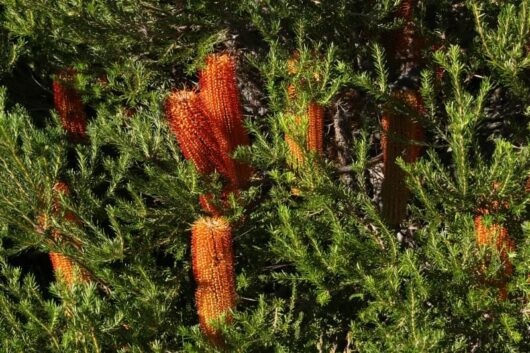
(68,104)
(214,273)
(398,132)
(220,98)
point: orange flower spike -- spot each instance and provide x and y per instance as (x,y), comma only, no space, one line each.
(291,92)
(406,9)
(293,62)
(214,273)
(220,97)
(296,157)
(188,121)
(68,104)
(415,132)
(315,136)
(62,267)
(498,236)
(60,263)
(406,44)
(396,131)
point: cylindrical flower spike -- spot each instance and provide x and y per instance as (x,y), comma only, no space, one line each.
(397,134)
(68,104)
(195,135)
(406,9)
(296,157)
(407,45)
(220,98)
(214,273)
(315,133)
(62,265)
(496,236)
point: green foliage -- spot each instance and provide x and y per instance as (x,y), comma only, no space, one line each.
(317,268)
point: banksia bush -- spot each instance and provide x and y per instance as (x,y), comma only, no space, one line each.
(336,248)
(68,104)
(400,138)
(213,270)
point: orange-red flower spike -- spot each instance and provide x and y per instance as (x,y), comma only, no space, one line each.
(315,133)
(62,265)
(188,121)
(214,273)
(68,104)
(220,98)
(400,137)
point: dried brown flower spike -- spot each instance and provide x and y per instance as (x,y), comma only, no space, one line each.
(401,136)
(68,104)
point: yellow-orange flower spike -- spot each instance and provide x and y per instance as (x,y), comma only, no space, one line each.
(293,62)
(296,156)
(291,92)
(497,236)
(213,270)
(220,98)
(315,133)
(398,132)
(68,104)
(62,265)
(195,135)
